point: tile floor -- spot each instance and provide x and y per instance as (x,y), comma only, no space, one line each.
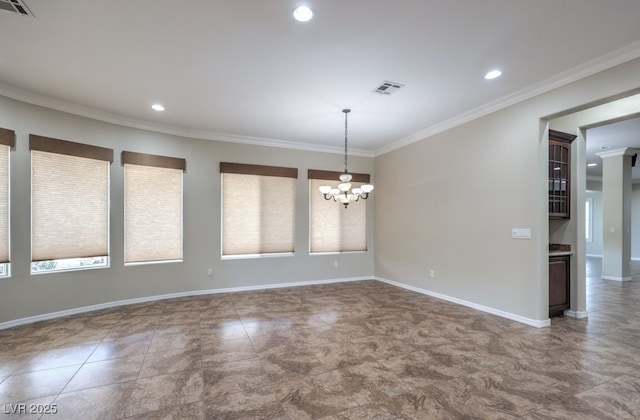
(361,350)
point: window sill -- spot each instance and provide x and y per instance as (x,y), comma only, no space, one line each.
(66,270)
(69,264)
(258,256)
(338,252)
(133,264)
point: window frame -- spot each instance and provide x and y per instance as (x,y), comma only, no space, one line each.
(259,170)
(334,177)
(156,161)
(81,150)
(588,217)
(8,138)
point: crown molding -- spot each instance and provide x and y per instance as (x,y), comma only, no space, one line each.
(32,98)
(623,151)
(260,141)
(597,65)
(605,62)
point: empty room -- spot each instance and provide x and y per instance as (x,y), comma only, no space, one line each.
(319,209)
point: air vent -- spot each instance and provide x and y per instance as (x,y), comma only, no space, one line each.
(387,88)
(16,6)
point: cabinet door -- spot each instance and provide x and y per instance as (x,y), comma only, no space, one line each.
(560,174)
(558,285)
(559,179)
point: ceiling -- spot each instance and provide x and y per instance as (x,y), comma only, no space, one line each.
(612,136)
(245,70)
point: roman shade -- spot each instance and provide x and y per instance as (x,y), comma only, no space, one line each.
(153,207)
(8,137)
(332,228)
(258,205)
(7,141)
(69,199)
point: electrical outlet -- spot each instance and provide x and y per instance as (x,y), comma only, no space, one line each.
(432,273)
(336,264)
(210,272)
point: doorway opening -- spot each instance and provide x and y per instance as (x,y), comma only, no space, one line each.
(612,126)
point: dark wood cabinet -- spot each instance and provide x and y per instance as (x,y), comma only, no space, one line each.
(560,174)
(559,296)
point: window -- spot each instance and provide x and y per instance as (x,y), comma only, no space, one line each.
(69,205)
(332,227)
(152,208)
(588,218)
(7,141)
(258,205)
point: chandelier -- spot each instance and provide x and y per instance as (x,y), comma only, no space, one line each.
(344,193)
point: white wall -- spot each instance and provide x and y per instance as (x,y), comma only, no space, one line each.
(449,205)
(24,295)
(449,202)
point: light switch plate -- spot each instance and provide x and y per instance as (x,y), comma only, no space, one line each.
(521,233)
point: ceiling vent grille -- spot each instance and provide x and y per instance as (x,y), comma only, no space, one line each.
(387,87)
(16,6)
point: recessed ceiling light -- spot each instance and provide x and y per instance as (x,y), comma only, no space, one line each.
(303,14)
(157,107)
(592,164)
(493,74)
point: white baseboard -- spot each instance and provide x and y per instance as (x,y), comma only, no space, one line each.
(106,305)
(616,278)
(576,314)
(282,285)
(528,321)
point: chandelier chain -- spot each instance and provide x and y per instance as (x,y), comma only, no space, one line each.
(346,113)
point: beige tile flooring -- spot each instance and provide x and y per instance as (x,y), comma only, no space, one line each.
(344,351)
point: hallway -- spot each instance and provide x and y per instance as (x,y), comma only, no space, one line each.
(613,304)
